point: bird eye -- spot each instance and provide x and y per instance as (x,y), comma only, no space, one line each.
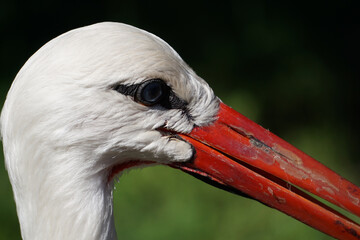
(151,92)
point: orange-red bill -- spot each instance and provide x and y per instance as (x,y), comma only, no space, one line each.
(238,154)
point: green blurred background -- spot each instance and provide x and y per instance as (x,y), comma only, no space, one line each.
(292,67)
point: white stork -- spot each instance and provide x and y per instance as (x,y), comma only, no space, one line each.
(106,97)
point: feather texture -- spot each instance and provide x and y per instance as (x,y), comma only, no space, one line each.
(64,128)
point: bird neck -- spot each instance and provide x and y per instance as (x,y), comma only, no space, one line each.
(69,201)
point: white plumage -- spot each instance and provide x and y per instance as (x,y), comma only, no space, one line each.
(102,98)
(64,128)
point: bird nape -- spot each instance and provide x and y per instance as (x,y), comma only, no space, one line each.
(106,97)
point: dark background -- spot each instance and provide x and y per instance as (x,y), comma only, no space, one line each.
(292,67)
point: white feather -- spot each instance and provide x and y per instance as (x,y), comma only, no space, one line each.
(64,128)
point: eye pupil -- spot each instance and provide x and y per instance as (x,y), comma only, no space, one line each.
(152,92)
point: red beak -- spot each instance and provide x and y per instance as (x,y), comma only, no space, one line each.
(238,155)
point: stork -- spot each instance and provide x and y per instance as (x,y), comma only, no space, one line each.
(108,97)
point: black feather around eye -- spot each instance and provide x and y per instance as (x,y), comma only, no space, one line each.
(126,90)
(151,93)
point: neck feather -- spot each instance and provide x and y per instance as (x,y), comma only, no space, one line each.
(69,201)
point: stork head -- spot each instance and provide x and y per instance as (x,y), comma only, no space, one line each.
(91,91)
(109,96)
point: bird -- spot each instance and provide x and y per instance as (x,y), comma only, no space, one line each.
(107,97)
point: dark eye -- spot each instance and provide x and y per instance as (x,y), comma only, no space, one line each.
(152,92)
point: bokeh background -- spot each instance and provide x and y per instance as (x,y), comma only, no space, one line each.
(291,66)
